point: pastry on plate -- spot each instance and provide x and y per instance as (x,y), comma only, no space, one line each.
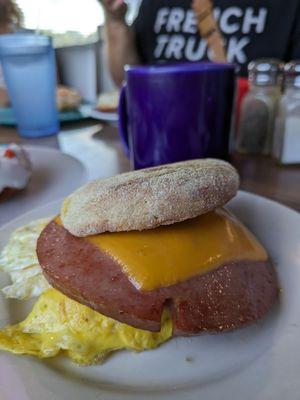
(108,102)
(15,170)
(67,98)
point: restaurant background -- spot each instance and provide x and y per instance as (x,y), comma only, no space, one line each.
(77,29)
(78,34)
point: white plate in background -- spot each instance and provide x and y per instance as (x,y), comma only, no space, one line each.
(54,176)
(261,362)
(92,112)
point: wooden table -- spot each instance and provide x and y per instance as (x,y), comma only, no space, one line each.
(264,176)
(98,147)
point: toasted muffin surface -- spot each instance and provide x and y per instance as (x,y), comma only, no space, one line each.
(148,198)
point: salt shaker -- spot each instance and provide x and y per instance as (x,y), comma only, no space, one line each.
(259,106)
(286,145)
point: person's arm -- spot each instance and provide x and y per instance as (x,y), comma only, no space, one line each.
(4,100)
(120,39)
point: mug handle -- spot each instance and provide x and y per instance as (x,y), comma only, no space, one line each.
(123,120)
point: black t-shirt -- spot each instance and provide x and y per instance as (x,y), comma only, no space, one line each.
(166,30)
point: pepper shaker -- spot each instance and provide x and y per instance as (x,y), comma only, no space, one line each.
(259,107)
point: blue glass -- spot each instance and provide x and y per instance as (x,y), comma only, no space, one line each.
(28,63)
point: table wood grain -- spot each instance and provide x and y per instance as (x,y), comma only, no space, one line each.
(104,157)
(264,176)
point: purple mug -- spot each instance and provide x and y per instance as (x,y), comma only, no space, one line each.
(178,112)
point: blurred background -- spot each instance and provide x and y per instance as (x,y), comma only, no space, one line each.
(251,112)
(77,32)
(76,22)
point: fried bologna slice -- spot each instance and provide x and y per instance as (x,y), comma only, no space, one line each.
(229,297)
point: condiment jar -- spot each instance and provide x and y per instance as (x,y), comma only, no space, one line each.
(286,145)
(259,106)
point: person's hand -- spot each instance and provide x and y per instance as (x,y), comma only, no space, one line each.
(4,100)
(115,9)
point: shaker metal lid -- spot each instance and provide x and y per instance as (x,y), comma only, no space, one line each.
(292,73)
(266,71)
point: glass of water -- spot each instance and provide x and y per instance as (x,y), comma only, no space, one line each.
(29,69)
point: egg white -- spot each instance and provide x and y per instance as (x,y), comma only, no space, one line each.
(19,260)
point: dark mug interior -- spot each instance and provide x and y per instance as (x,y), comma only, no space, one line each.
(176,112)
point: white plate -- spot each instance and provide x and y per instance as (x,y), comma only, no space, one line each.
(55,175)
(261,362)
(90,111)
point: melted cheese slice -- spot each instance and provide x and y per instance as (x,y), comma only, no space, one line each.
(170,254)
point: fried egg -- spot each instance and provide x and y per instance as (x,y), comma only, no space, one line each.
(58,324)
(19,260)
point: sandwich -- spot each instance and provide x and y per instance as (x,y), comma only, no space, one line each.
(67,99)
(108,102)
(145,256)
